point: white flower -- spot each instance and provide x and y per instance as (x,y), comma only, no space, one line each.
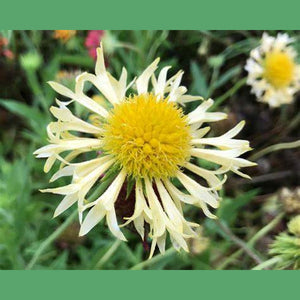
(272,70)
(146,138)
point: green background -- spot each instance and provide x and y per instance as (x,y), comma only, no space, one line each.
(149,15)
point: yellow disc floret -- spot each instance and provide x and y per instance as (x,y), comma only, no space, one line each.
(148,137)
(279,69)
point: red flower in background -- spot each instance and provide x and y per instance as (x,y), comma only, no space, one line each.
(4,51)
(92,41)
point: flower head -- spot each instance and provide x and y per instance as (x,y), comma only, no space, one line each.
(286,247)
(290,198)
(64,35)
(272,70)
(145,141)
(294,226)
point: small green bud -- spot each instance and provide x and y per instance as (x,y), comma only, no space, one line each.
(294,226)
(216,61)
(31,61)
(110,42)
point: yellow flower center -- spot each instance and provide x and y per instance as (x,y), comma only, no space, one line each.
(148,137)
(279,69)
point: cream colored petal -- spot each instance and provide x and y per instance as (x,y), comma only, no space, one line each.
(100,64)
(59,88)
(153,246)
(174,215)
(161,243)
(159,225)
(103,84)
(49,163)
(68,158)
(67,171)
(208,175)
(223,157)
(94,216)
(178,241)
(189,98)
(110,195)
(83,169)
(139,225)
(175,85)
(197,190)
(200,132)
(123,84)
(64,190)
(206,210)
(92,175)
(177,94)
(225,141)
(67,202)
(143,80)
(70,122)
(113,225)
(140,205)
(65,145)
(159,89)
(179,195)
(199,115)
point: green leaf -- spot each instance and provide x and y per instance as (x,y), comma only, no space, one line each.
(34,118)
(60,263)
(199,85)
(130,185)
(228,75)
(230,207)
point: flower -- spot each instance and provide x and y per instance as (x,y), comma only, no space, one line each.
(145,141)
(95,37)
(272,70)
(286,246)
(294,226)
(290,198)
(4,51)
(64,35)
(93,40)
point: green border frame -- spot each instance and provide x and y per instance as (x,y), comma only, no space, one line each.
(151,284)
(154,14)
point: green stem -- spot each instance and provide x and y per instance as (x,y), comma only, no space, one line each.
(36,89)
(293,123)
(270,262)
(108,254)
(213,79)
(228,94)
(273,148)
(45,244)
(153,260)
(77,60)
(129,253)
(265,230)
(239,242)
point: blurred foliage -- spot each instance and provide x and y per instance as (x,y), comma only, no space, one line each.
(213,62)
